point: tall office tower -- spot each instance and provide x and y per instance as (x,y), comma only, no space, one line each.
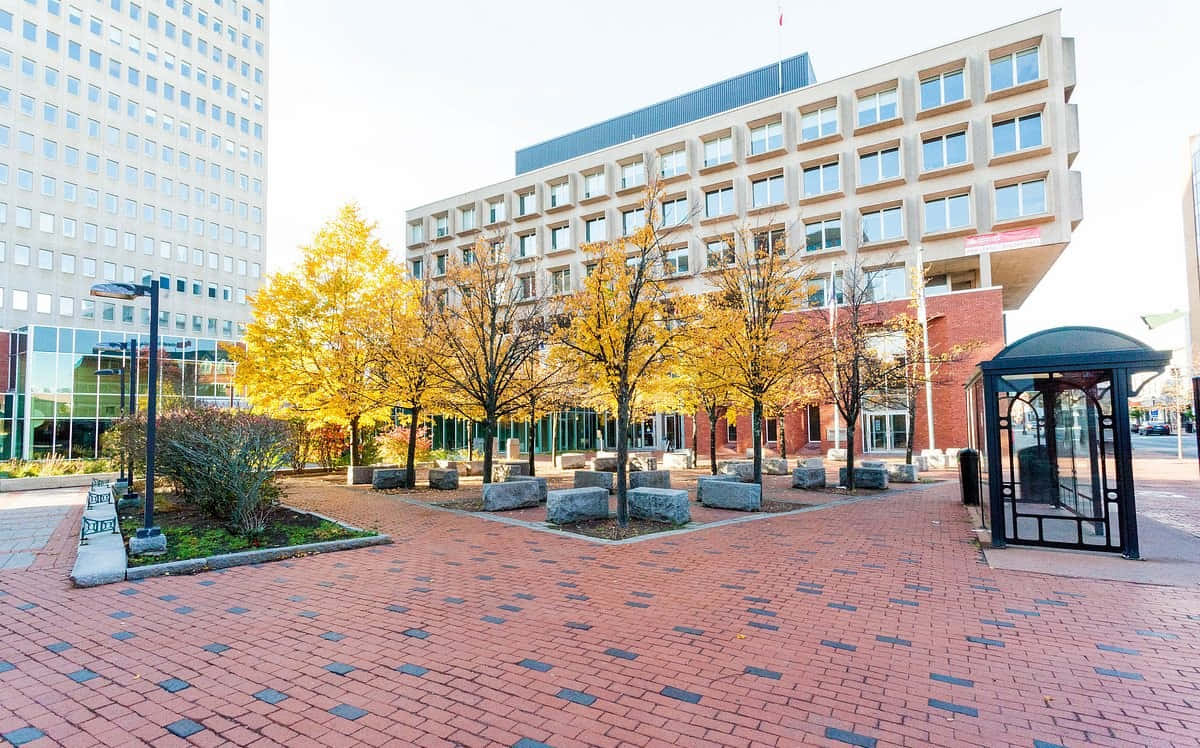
(132,148)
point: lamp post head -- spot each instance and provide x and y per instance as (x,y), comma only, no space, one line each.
(120,290)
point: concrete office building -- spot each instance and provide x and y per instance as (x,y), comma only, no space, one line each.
(132,147)
(1191,248)
(964,150)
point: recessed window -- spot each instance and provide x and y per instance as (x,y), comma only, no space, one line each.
(418,268)
(944,88)
(441,226)
(560,281)
(884,284)
(595,229)
(718,202)
(1017,134)
(633,175)
(496,211)
(766,137)
(769,191)
(439,264)
(818,123)
(947,213)
(720,253)
(416,233)
(821,179)
(883,225)
(466,218)
(879,166)
(674,212)
(528,287)
(526,245)
(560,194)
(593,185)
(527,203)
(1019,200)
(718,151)
(674,163)
(677,261)
(825,234)
(560,237)
(1014,69)
(877,107)
(771,241)
(632,220)
(944,150)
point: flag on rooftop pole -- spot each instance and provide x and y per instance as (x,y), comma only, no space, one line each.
(780,35)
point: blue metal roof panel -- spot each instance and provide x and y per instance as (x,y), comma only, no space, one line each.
(712,99)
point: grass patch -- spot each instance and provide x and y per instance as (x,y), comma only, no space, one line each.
(191,534)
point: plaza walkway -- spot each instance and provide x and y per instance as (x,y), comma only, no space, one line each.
(39,528)
(875,623)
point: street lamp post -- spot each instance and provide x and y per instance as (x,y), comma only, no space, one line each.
(121,389)
(129,354)
(149,538)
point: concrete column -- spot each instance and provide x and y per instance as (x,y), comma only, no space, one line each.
(985,270)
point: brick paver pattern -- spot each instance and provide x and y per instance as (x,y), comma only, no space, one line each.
(873,623)
(34,527)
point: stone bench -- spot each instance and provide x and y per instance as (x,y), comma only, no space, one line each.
(660,505)
(571,461)
(774,466)
(900,472)
(720,478)
(443,479)
(594,479)
(678,460)
(498,497)
(604,464)
(813,462)
(576,504)
(650,479)
(742,469)
(866,477)
(541,484)
(388,478)
(808,477)
(744,497)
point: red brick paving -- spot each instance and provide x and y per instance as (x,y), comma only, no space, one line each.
(878,557)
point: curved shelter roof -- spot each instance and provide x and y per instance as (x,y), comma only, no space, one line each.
(1076,347)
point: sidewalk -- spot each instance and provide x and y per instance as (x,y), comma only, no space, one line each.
(38,528)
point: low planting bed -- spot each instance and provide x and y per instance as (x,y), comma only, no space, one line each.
(191,534)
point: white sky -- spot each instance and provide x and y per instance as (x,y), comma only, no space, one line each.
(396,104)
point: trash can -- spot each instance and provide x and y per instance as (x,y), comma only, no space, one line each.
(968,476)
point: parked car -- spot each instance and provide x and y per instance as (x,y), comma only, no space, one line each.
(1157,428)
(1133,427)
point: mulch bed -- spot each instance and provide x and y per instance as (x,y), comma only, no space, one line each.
(193,534)
(610,530)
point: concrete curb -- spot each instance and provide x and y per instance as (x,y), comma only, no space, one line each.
(41,482)
(245,558)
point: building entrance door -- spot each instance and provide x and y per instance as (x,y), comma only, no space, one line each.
(886,432)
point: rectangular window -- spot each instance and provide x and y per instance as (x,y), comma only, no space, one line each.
(882,225)
(632,220)
(877,107)
(720,253)
(677,261)
(944,88)
(496,212)
(1017,134)
(944,150)
(1014,69)
(718,202)
(417,268)
(633,175)
(560,237)
(527,203)
(718,151)
(818,124)
(674,163)
(770,242)
(595,230)
(466,218)
(560,194)
(441,225)
(768,137)
(879,166)
(1023,199)
(821,179)
(593,185)
(674,212)
(560,281)
(825,234)
(526,245)
(767,191)
(883,284)
(947,213)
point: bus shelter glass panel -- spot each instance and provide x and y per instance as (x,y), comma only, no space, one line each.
(1057,444)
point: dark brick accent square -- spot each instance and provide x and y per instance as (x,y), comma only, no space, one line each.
(1019,612)
(579,626)
(1000,624)
(120,614)
(810,590)
(5,666)
(173,685)
(952,680)
(901,601)
(296,598)
(918,587)
(577,697)
(841,606)
(530,743)
(129,591)
(340,668)
(762,673)
(850,738)
(492,619)
(635,604)
(1118,650)
(671,692)
(416,633)
(454,600)
(733,586)
(168,598)
(838,645)
(57,647)
(207,583)
(1118,673)
(183,610)
(215,648)
(26,606)
(510,608)
(761,612)
(764,626)
(750,599)
(689,630)
(82,676)
(346,711)
(123,635)
(1156,634)
(23,735)
(894,640)
(333,636)
(541,667)
(985,641)
(847,572)
(525,596)
(397,609)
(1047,744)
(270,695)
(237,611)
(409,669)
(985,588)
(578,597)
(308,614)
(1056,603)
(620,653)
(948,706)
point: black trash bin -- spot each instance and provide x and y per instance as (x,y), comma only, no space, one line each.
(968,476)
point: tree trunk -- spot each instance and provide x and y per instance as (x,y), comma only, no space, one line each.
(355,447)
(470,439)
(489,428)
(756,433)
(912,426)
(410,473)
(712,441)
(695,437)
(622,458)
(530,439)
(782,435)
(850,453)
(554,440)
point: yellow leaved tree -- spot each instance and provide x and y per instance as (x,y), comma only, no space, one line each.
(305,353)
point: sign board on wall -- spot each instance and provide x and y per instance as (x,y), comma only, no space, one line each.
(1002,240)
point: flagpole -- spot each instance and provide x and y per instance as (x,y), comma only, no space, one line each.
(833,332)
(921,312)
(779,36)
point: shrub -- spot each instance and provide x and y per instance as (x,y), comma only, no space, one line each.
(330,443)
(393,445)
